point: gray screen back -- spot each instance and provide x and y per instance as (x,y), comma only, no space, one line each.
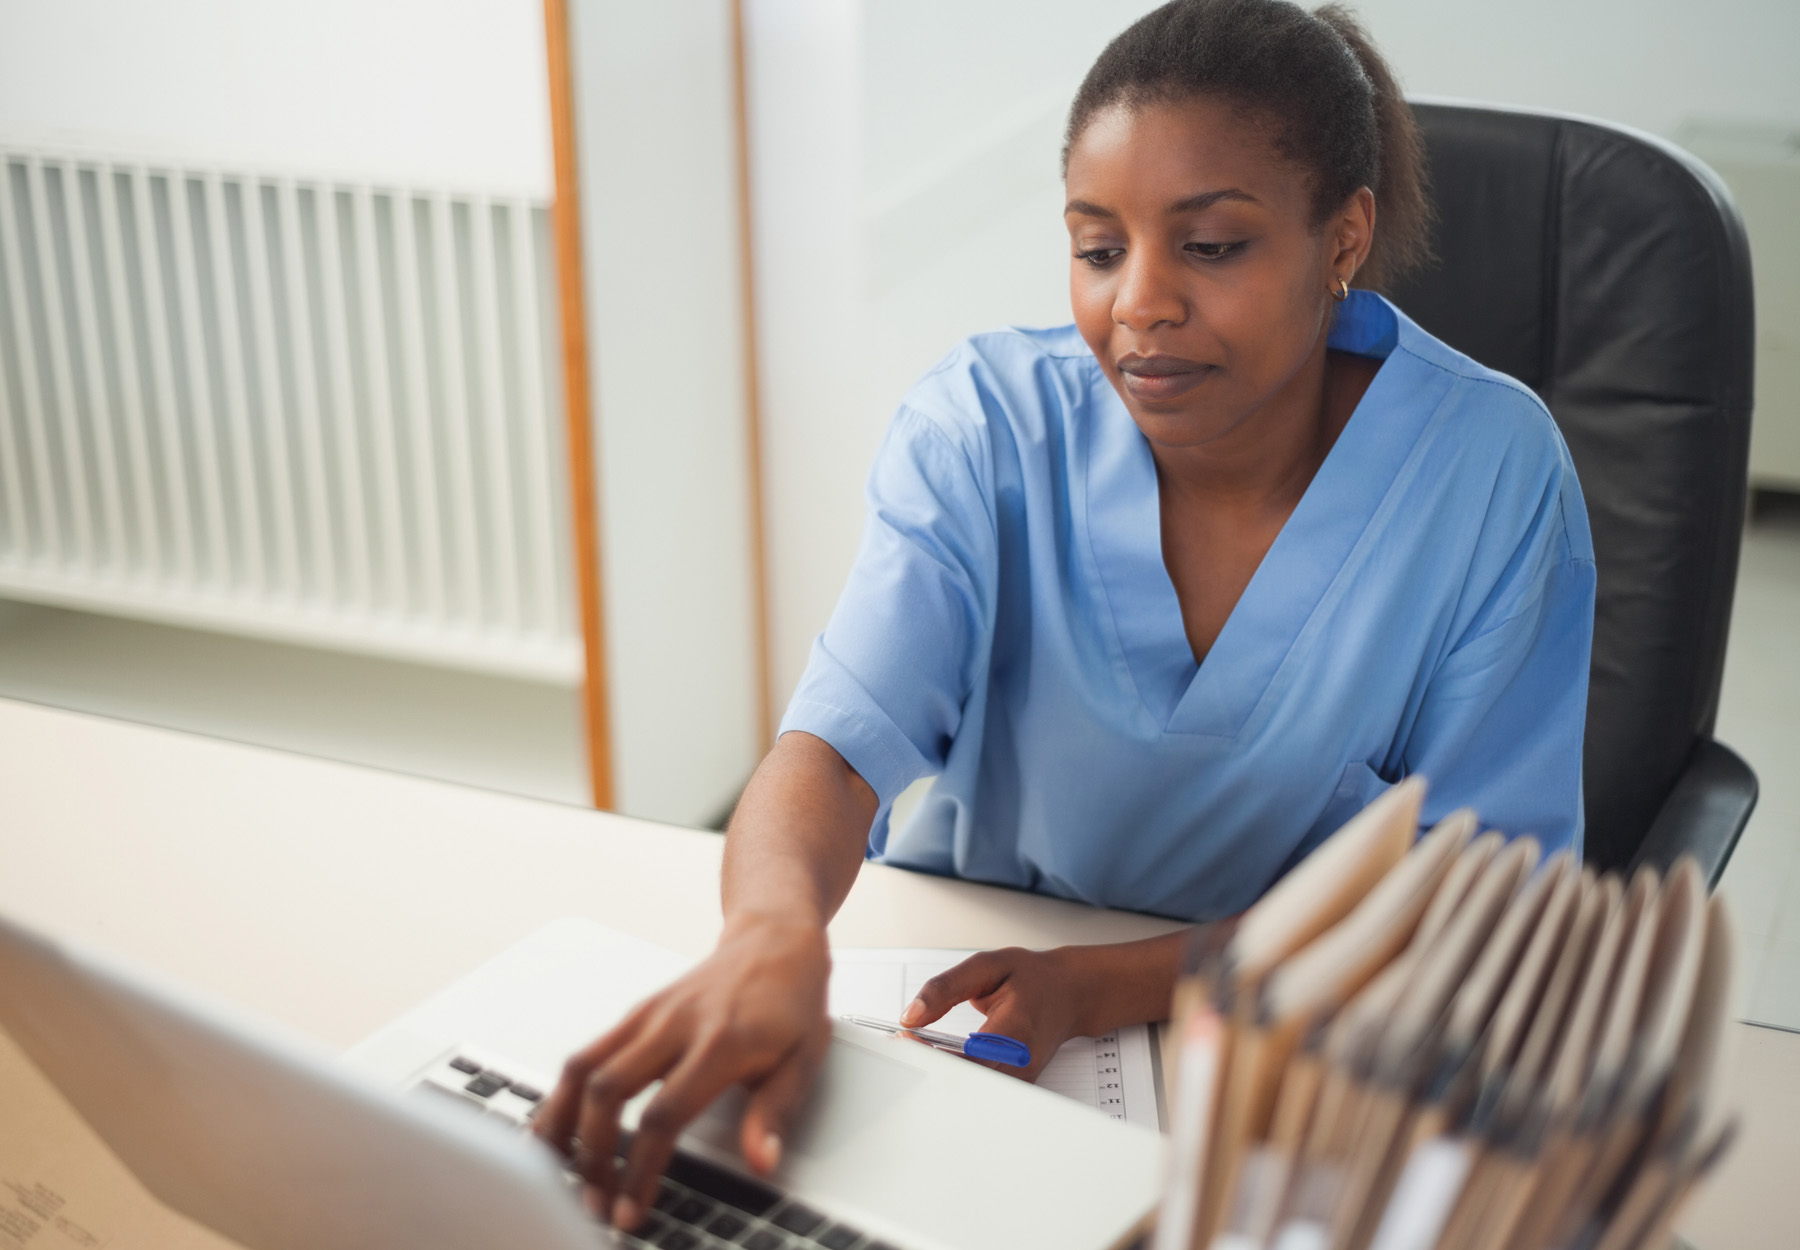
(254,1136)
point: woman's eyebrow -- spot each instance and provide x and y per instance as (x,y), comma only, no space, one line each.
(1087,208)
(1206,199)
(1192,204)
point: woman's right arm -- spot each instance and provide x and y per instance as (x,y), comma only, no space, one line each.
(886,684)
(753,1012)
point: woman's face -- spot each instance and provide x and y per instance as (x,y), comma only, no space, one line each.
(1199,278)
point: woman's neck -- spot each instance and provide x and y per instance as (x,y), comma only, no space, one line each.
(1268,460)
(1223,505)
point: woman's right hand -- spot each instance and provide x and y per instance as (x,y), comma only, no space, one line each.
(753,1013)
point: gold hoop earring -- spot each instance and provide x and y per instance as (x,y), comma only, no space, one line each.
(1343,291)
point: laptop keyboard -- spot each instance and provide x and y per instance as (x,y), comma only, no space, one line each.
(698,1207)
(702,1207)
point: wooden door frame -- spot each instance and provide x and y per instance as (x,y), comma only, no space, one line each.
(565,224)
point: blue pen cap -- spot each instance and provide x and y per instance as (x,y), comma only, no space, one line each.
(998,1048)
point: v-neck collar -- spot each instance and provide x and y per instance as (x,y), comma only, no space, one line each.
(1125,528)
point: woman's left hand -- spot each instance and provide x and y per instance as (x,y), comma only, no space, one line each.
(1033,996)
(1043,998)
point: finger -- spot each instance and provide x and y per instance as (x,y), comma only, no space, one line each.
(1008,1021)
(555,1123)
(607,1089)
(978,975)
(774,1103)
(704,1073)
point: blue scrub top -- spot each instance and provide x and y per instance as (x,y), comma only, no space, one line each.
(1009,624)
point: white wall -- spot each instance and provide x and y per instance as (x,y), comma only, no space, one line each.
(817,413)
(1648,63)
(447,93)
(907,193)
(657,150)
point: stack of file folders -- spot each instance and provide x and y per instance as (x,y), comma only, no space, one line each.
(1446,1044)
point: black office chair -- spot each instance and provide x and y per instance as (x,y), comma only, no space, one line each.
(1609,272)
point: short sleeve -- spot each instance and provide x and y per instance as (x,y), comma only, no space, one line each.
(888,680)
(1501,724)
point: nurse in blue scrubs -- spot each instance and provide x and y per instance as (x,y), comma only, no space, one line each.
(1162,597)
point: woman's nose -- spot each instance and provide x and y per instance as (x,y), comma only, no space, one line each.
(1148,294)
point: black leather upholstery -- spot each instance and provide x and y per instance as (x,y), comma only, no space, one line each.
(1609,272)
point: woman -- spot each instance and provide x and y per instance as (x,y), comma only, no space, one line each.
(1164,596)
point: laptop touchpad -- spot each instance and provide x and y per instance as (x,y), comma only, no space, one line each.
(856,1088)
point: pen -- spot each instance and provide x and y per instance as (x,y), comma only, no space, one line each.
(993,1046)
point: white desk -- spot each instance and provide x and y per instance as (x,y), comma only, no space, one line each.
(332,897)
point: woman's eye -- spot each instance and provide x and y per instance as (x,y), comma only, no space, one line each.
(1213,251)
(1098,257)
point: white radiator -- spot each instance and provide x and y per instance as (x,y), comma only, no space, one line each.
(301,410)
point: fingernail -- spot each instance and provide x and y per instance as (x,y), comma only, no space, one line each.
(594,1201)
(772,1149)
(626,1214)
(915,1012)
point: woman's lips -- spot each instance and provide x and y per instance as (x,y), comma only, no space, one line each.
(1161,377)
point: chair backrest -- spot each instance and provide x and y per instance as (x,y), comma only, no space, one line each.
(1609,272)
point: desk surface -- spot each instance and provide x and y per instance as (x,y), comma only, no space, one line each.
(332,897)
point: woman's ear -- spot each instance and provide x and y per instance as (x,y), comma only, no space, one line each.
(1351,233)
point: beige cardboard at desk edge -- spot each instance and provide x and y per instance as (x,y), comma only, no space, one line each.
(62,1189)
(351,894)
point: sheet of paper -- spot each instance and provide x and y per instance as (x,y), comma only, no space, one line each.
(1113,1074)
(62,1189)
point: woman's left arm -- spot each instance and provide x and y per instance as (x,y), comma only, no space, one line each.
(1501,725)
(1500,717)
(1043,998)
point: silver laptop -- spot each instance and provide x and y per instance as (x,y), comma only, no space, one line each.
(277,1146)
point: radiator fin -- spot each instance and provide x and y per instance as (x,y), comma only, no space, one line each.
(290,408)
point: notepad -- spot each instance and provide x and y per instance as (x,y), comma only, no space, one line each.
(1114,1074)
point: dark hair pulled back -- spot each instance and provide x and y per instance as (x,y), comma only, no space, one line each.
(1334,105)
